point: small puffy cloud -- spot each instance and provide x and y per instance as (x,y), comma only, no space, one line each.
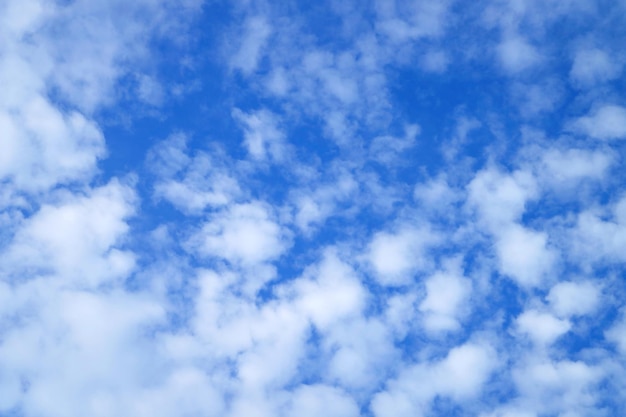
(542,328)
(568,167)
(592,66)
(329,292)
(574,298)
(600,236)
(446,293)
(607,122)
(501,198)
(243,234)
(397,256)
(462,374)
(516,54)
(524,254)
(436,195)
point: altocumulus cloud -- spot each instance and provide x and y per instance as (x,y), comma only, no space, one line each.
(359,208)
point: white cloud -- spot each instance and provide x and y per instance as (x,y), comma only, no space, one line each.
(242,233)
(78,50)
(362,353)
(501,198)
(567,168)
(557,387)
(43,146)
(542,328)
(516,54)
(617,335)
(76,238)
(599,234)
(320,400)
(446,292)
(437,195)
(329,292)
(459,376)
(248,314)
(592,66)
(606,122)
(574,298)
(524,255)
(396,257)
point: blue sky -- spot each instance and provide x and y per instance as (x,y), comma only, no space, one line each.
(358,208)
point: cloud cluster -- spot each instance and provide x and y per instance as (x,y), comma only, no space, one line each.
(384,209)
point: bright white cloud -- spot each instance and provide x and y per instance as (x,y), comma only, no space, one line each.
(542,328)
(501,198)
(332,293)
(574,298)
(524,255)
(397,257)
(76,238)
(446,293)
(243,233)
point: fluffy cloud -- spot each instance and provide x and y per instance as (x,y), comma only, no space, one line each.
(446,293)
(244,233)
(542,328)
(607,122)
(76,238)
(397,257)
(574,298)
(459,376)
